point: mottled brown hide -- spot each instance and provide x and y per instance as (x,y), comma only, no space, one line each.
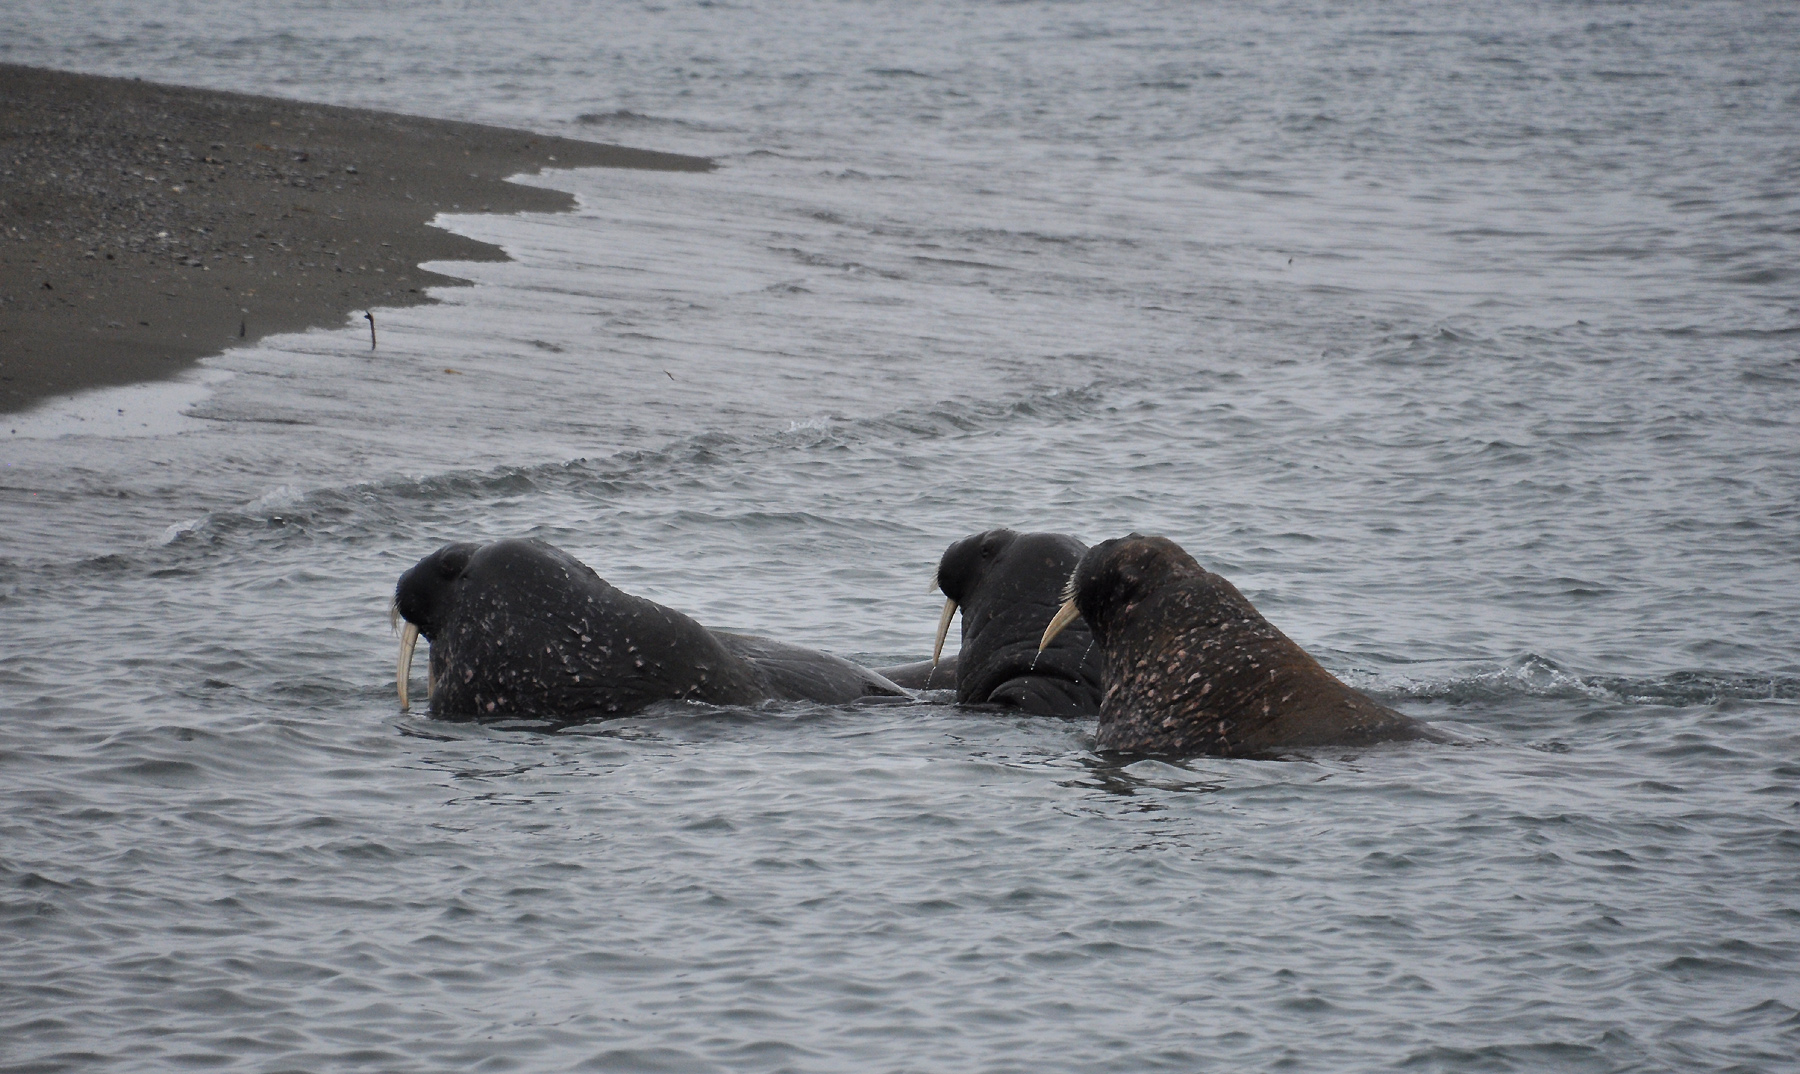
(1192,668)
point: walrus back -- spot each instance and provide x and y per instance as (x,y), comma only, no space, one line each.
(796,673)
(1198,671)
(536,633)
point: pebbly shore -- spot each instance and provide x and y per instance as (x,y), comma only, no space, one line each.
(145,226)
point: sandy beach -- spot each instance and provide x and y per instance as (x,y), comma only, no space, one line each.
(145,226)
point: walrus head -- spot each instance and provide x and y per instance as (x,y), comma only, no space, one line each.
(1113,577)
(1001,569)
(960,572)
(1007,585)
(423,598)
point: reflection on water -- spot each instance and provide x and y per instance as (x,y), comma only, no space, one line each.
(1460,341)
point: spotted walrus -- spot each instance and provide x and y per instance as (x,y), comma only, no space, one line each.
(520,629)
(1192,668)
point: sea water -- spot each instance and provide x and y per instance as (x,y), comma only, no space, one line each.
(1465,339)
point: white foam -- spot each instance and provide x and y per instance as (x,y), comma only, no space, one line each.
(179,530)
(158,408)
(275,499)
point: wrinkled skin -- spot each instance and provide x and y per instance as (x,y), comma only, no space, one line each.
(1193,669)
(520,629)
(1008,585)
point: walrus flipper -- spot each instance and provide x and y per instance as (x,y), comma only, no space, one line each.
(796,673)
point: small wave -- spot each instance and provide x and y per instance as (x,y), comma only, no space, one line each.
(812,260)
(960,263)
(1534,676)
(625,118)
(179,530)
(1028,239)
(1694,330)
(287,512)
(1757,276)
(1553,1055)
(278,498)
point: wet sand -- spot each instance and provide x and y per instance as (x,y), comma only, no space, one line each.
(144,226)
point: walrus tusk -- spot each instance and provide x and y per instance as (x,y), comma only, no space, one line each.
(1064,616)
(408,639)
(937,650)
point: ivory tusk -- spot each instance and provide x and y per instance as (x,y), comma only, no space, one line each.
(402,671)
(1064,616)
(937,650)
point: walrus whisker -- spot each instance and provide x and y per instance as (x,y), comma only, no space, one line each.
(409,638)
(937,649)
(1064,616)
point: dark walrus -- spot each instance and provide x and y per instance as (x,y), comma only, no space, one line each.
(1192,668)
(520,629)
(1008,585)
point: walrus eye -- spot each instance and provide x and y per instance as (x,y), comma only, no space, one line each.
(452,563)
(1128,582)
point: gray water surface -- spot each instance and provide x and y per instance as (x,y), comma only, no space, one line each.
(1465,341)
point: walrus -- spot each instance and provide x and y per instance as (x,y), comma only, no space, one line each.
(522,629)
(1007,585)
(1193,669)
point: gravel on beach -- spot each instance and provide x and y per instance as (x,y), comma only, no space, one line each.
(145,226)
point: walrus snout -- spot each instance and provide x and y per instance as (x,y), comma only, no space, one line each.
(960,570)
(422,599)
(1005,585)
